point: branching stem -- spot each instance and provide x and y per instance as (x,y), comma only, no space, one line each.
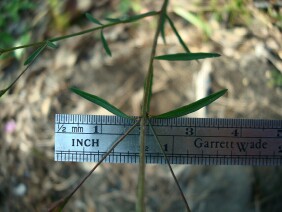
(74,34)
(140,203)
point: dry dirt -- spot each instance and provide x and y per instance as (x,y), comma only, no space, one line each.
(30,180)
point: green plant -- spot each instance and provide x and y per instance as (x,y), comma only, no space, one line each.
(145,116)
(13,29)
(228,12)
(127,5)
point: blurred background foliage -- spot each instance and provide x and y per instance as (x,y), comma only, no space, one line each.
(27,21)
(17,24)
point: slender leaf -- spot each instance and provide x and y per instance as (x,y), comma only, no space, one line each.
(182,111)
(186,56)
(177,34)
(2,92)
(101,102)
(105,44)
(114,20)
(35,54)
(163,29)
(137,17)
(51,45)
(163,19)
(92,19)
(126,19)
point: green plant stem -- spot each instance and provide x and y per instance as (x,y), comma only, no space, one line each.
(73,34)
(2,92)
(140,203)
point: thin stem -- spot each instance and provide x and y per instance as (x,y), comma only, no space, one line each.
(170,168)
(62,202)
(140,203)
(76,34)
(18,77)
(152,13)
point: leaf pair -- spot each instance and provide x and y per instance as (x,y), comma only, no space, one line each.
(104,41)
(28,62)
(172,114)
(36,53)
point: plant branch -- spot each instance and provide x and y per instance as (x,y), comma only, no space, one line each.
(140,204)
(152,13)
(170,168)
(59,205)
(2,92)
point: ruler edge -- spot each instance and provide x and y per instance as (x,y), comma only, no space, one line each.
(120,120)
(271,123)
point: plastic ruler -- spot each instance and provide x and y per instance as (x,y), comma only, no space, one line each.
(207,141)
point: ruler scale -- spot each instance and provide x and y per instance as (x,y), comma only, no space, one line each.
(207,141)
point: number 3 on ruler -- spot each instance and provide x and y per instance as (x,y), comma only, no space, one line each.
(279,133)
(189,131)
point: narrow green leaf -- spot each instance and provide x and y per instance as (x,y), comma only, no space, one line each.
(177,34)
(114,20)
(163,29)
(186,56)
(126,19)
(2,92)
(105,44)
(92,19)
(101,102)
(51,45)
(163,19)
(35,54)
(137,17)
(182,111)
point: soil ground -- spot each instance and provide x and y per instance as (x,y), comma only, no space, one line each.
(250,67)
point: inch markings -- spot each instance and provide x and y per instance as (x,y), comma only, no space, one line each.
(208,141)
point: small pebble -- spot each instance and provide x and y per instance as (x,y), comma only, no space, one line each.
(20,189)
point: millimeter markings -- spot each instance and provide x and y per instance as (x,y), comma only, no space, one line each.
(207,141)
